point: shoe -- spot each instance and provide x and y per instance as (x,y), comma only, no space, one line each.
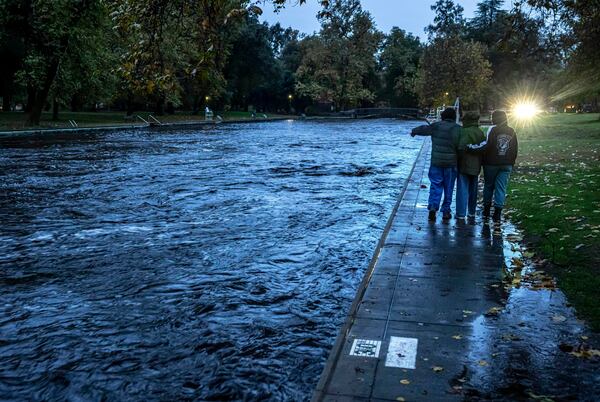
(497,215)
(431,216)
(446,216)
(486,210)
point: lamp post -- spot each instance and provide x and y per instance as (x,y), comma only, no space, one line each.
(290,97)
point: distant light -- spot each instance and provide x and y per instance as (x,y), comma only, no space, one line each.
(525,110)
(290,97)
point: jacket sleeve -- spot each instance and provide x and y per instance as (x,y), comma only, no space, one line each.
(481,147)
(424,130)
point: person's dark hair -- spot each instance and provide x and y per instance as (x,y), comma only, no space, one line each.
(499,118)
(471,118)
(448,114)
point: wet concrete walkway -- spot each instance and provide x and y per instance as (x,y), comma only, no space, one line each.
(435,319)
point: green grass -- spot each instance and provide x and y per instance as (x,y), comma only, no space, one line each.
(16,120)
(555,198)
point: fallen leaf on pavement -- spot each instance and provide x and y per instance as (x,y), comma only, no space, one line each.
(457,336)
(559,318)
(483,363)
(438,369)
(404,382)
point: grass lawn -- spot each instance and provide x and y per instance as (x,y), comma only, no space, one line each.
(16,120)
(555,198)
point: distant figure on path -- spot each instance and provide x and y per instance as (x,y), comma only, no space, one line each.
(442,172)
(499,155)
(469,166)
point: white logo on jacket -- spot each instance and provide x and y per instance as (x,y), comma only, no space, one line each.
(503,144)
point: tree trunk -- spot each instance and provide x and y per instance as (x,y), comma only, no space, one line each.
(159,109)
(40,99)
(54,109)
(77,103)
(31,93)
(130,107)
(6,101)
(196,104)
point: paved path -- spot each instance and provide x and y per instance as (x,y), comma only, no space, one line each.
(433,321)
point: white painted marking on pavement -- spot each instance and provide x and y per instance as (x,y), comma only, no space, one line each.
(402,353)
(365,348)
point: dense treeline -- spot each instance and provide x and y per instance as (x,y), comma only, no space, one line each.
(183,54)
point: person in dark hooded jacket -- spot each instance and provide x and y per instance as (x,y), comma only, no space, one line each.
(500,152)
(442,172)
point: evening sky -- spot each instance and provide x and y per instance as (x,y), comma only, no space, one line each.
(410,15)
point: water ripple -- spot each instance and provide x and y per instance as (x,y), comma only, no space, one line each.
(187,264)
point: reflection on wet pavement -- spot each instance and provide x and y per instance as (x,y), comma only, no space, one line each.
(473,318)
(529,338)
(186,264)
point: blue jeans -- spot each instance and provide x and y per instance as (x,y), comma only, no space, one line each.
(442,182)
(466,194)
(496,183)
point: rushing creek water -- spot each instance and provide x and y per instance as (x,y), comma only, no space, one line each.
(188,264)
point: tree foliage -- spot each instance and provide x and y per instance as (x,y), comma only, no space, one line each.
(48,35)
(448,21)
(576,25)
(517,46)
(336,63)
(399,62)
(180,53)
(257,74)
(452,67)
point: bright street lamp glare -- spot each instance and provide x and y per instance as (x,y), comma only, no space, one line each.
(525,110)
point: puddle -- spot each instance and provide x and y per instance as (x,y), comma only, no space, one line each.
(531,346)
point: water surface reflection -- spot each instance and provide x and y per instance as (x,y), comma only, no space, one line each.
(211,264)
